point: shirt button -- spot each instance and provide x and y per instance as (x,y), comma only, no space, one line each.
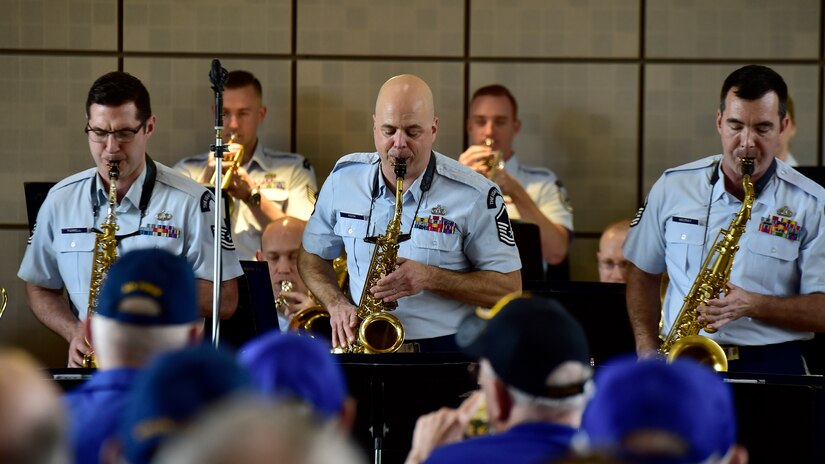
(349,231)
(435,242)
(773,250)
(72,244)
(684,236)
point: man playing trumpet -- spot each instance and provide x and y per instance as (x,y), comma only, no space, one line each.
(532,193)
(267,184)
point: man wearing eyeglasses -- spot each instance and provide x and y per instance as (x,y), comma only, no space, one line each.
(268,184)
(157,208)
(612,264)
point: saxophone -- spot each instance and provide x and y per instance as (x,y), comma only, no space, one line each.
(105,253)
(683,339)
(378,330)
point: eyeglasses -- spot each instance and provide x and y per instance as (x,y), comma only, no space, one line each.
(121,135)
(609,264)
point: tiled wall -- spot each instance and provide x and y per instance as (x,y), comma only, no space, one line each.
(611,92)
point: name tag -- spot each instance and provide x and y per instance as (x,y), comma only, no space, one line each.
(75,230)
(684,220)
(360,217)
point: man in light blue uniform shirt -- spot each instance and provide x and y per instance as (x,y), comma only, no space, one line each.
(269,184)
(532,193)
(775,291)
(461,253)
(157,208)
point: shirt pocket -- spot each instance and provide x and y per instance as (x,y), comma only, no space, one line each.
(437,249)
(74,259)
(772,247)
(685,245)
(173,245)
(352,232)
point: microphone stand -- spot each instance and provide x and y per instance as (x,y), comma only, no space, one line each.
(217,76)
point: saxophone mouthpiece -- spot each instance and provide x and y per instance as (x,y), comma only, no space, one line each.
(400,168)
(747,166)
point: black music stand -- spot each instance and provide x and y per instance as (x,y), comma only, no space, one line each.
(36,193)
(256,307)
(601,310)
(528,241)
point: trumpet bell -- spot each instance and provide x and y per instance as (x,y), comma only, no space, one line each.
(702,349)
(313,322)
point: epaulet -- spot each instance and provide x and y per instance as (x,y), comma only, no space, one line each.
(703,163)
(176,180)
(540,170)
(290,157)
(355,158)
(791,175)
(199,159)
(456,171)
(74,178)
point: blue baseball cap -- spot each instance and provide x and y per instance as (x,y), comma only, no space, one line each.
(149,287)
(288,365)
(525,338)
(685,400)
(175,388)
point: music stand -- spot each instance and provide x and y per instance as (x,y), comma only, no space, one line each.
(35,196)
(528,241)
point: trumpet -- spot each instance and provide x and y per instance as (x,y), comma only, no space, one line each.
(496,160)
(236,163)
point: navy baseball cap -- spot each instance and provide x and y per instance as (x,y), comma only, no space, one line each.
(174,389)
(149,287)
(525,338)
(287,365)
(685,400)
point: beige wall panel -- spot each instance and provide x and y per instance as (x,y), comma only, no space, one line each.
(579,120)
(18,326)
(336,100)
(182,99)
(681,102)
(59,24)
(595,28)
(41,126)
(381,27)
(733,29)
(583,265)
(211,26)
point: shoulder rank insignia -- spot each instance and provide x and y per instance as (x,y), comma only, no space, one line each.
(164,216)
(784,211)
(439,210)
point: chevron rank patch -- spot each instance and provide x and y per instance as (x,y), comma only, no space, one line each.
(505,229)
(226,238)
(638,216)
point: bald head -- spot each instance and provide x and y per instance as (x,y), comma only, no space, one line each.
(612,264)
(287,228)
(280,244)
(407,91)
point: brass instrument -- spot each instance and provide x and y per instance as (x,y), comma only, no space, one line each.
(4,300)
(683,339)
(378,330)
(105,253)
(314,320)
(236,163)
(496,160)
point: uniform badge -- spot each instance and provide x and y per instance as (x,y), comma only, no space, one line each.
(160,230)
(226,238)
(780,227)
(164,216)
(638,216)
(435,223)
(564,197)
(784,211)
(205,199)
(505,229)
(491,197)
(439,210)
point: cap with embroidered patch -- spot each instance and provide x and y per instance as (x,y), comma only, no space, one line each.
(149,287)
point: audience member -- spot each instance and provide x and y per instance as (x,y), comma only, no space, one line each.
(612,265)
(650,411)
(535,380)
(147,306)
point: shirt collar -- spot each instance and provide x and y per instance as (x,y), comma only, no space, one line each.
(413,192)
(760,185)
(132,196)
(257,156)
(512,164)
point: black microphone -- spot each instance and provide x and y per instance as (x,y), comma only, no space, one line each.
(217,75)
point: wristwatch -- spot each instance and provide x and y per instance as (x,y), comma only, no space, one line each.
(254,197)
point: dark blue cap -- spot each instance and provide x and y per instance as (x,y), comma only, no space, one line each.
(684,399)
(174,389)
(149,287)
(293,366)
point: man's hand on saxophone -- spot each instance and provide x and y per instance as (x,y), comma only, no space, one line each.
(78,347)
(410,277)
(343,318)
(736,304)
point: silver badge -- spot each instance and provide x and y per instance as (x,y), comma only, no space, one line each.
(784,211)
(164,216)
(439,210)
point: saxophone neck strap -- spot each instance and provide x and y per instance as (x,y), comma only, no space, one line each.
(145,195)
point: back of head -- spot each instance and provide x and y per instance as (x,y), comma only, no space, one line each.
(173,390)
(752,82)
(289,366)
(119,88)
(657,412)
(32,419)
(533,344)
(147,305)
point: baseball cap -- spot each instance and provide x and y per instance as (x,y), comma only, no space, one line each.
(293,366)
(525,338)
(175,388)
(684,399)
(153,276)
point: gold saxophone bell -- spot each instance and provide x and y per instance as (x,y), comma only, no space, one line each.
(496,160)
(236,163)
